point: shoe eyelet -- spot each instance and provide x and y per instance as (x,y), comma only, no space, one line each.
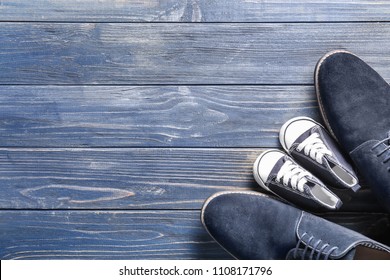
(284,184)
(298,150)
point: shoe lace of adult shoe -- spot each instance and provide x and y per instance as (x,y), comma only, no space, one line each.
(315,246)
(291,172)
(387,158)
(314,147)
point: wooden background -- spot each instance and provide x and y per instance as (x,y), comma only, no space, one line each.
(119,118)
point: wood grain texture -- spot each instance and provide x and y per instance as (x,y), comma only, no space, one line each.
(130,234)
(174,53)
(120,178)
(150,116)
(118,118)
(105,235)
(132,178)
(194,10)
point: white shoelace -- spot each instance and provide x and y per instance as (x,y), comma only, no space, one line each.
(293,173)
(314,147)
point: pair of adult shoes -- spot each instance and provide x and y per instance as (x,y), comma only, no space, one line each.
(314,159)
(354,101)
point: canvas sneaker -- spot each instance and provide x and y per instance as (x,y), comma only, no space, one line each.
(278,173)
(310,145)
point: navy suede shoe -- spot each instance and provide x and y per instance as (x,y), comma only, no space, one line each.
(355,104)
(251,225)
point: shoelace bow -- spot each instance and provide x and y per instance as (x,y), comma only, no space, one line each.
(315,147)
(324,250)
(290,172)
(387,158)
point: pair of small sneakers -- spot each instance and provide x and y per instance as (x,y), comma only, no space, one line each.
(313,159)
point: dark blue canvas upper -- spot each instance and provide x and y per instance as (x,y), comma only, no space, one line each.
(303,199)
(323,170)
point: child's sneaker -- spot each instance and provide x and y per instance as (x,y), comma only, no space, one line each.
(280,174)
(310,144)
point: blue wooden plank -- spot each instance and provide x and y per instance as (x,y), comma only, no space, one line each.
(194,10)
(120,178)
(154,116)
(105,235)
(131,234)
(150,116)
(132,178)
(173,53)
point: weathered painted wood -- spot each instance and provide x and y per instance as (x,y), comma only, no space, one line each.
(56,197)
(132,178)
(174,53)
(105,235)
(194,10)
(130,234)
(146,116)
(120,178)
